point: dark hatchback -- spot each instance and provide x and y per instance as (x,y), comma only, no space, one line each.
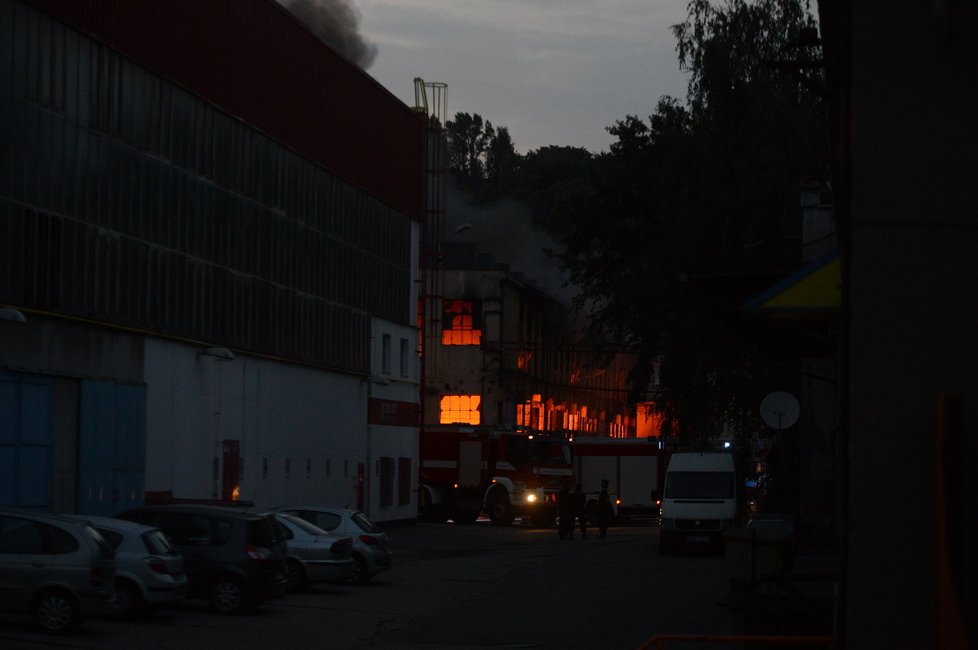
(233,559)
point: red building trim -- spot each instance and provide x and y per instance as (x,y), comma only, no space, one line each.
(393,413)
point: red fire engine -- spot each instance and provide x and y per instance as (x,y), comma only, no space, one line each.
(634,467)
(467,471)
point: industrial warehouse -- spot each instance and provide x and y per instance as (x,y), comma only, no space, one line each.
(219,282)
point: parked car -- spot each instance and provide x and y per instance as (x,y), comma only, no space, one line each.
(148,568)
(233,559)
(55,569)
(314,555)
(371,552)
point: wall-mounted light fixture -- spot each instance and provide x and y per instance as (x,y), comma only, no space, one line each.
(217,353)
(12,315)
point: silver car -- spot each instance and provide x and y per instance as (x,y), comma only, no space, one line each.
(58,570)
(371,552)
(148,570)
(314,555)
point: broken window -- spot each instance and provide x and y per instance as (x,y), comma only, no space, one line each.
(461,323)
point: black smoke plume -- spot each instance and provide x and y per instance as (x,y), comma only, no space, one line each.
(337,23)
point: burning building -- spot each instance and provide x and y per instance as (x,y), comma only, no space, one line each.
(501,353)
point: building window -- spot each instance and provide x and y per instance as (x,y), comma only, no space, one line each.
(386,354)
(460,409)
(386,481)
(404,357)
(405,481)
(461,323)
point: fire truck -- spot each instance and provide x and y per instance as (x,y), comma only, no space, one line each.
(464,472)
(635,470)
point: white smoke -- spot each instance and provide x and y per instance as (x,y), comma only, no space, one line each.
(336,23)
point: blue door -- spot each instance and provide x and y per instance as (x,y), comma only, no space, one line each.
(111,447)
(26,407)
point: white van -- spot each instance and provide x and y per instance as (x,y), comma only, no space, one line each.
(699,501)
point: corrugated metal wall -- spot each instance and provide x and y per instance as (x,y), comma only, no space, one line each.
(255,61)
(128,200)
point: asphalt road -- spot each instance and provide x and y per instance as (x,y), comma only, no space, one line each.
(475,586)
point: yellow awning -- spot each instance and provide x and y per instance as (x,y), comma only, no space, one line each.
(815,291)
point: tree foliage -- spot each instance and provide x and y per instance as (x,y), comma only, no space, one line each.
(690,205)
(480,156)
(664,231)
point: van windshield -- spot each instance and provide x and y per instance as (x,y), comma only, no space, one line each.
(699,485)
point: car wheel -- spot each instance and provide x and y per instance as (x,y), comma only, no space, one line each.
(295,574)
(56,612)
(227,596)
(128,600)
(501,513)
(361,573)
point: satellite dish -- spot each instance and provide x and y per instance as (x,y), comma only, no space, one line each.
(780,410)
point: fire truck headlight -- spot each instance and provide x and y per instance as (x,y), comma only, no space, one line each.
(531,498)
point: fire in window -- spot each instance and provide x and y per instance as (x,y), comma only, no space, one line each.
(461,323)
(530,414)
(460,409)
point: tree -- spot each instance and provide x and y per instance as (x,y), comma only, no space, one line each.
(481,157)
(502,161)
(702,196)
(551,180)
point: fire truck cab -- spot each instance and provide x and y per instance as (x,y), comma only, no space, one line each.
(468,471)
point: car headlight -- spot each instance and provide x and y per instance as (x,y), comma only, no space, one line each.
(531,498)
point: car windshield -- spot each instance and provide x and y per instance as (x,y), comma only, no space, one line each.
(365,524)
(157,543)
(304,525)
(699,485)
